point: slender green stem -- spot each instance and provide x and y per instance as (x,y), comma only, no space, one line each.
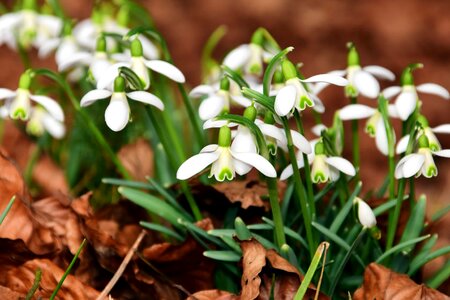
(393,221)
(355,142)
(300,190)
(383,107)
(276,212)
(309,185)
(35,286)
(391,177)
(412,193)
(344,262)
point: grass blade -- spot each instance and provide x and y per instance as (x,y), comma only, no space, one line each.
(401,246)
(162,229)
(8,207)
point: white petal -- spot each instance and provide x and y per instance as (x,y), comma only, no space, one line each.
(443,153)
(147,98)
(342,165)
(317,88)
(201,90)
(434,89)
(244,141)
(318,105)
(380,72)
(98,67)
(392,111)
(117,114)
(391,91)
(412,164)
(211,107)
(75,60)
(241,168)
(328,78)
(110,75)
(317,129)
(257,161)
(356,112)
(273,132)
(237,57)
(405,104)
(288,171)
(285,100)
(50,24)
(381,139)
(166,69)
(402,144)
(93,96)
(366,84)
(196,164)
(444,128)
(48,47)
(209,148)
(365,214)
(149,49)
(241,100)
(6,93)
(54,127)
(399,167)
(301,142)
(53,108)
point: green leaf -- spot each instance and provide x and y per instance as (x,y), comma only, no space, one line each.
(386,206)
(271,68)
(440,213)
(222,232)
(400,247)
(162,229)
(416,264)
(242,231)
(265,101)
(222,255)
(153,204)
(128,183)
(342,215)
(289,232)
(201,234)
(7,209)
(132,78)
(415,223)
(235,77)
(169,198)
(439,277)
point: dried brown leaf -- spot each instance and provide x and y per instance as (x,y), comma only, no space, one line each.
(137,158)
(213,295)
(382,283)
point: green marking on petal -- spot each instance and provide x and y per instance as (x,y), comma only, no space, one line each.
(319,177)
(435,147)
(20,113)
(351,91)
(305,102)
(225,174)
(370,129)
(431,171)
(272,148)
(255,68)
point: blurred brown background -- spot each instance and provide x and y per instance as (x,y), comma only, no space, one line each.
(389,33)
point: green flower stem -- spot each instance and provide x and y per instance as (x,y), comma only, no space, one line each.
(88,121)
(307,167)
(276,212)
(355,142)
(300,190)
(175,162)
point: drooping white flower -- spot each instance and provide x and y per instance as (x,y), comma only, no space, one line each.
(42,121)
(226,160)
(407,98)
(361,80)
(420,163)
(19,102)
(294,95)
(117,114)
(365,214)
(324,168)
(375,125)
(141,67)
(217,100)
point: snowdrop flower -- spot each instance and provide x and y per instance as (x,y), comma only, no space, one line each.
(375,125)
(420,163)
(406,100)
(249,57)
(141,67)
(117,113)
(335,132)
(44,121)
(324,168)
(26,27)
(361,80)
(294,95)
(428,132)
(365,214)
(19,105)
(217,101)
(225,160)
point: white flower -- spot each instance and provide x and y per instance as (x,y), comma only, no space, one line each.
(248,57)
(324,168)
(375,124)
(294,95)
(365,214)
(42,120)
(225,160)
(117,113)
(141,67)
(429,133)
(406,100)
(420,163)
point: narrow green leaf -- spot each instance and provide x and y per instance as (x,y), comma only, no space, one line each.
(222,255)
(440,213)
(242,231)
(289,232)
(272,67)
(171,199)
(128,183)
(440,276)
(132,78)
(265,101)
(400,247)
(35,286)
(387,206)
(235,77)
(201,233)
(342,215)
(287,252)
(415,265)
(7,209)
(162,229)
(222,232)
(415,224)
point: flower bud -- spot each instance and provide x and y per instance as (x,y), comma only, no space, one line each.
(365,214)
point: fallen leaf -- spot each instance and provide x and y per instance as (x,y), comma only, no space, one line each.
(137,158)
(213,295)
(383,284)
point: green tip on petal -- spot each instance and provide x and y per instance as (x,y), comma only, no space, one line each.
(272,148)
(423,121)
(225,84)
(225,174)
(250,113)
(224,136)
(258,37)
(101,44)
(351,91)
(289,70)
(319,177)
(19,113)
(136,48)
(255,68)
(352,56)
(319,149)
(370,129)
(431,171)
(305,102)
(119,84)
(423,141)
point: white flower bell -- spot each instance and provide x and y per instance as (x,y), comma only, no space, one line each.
(365,214)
